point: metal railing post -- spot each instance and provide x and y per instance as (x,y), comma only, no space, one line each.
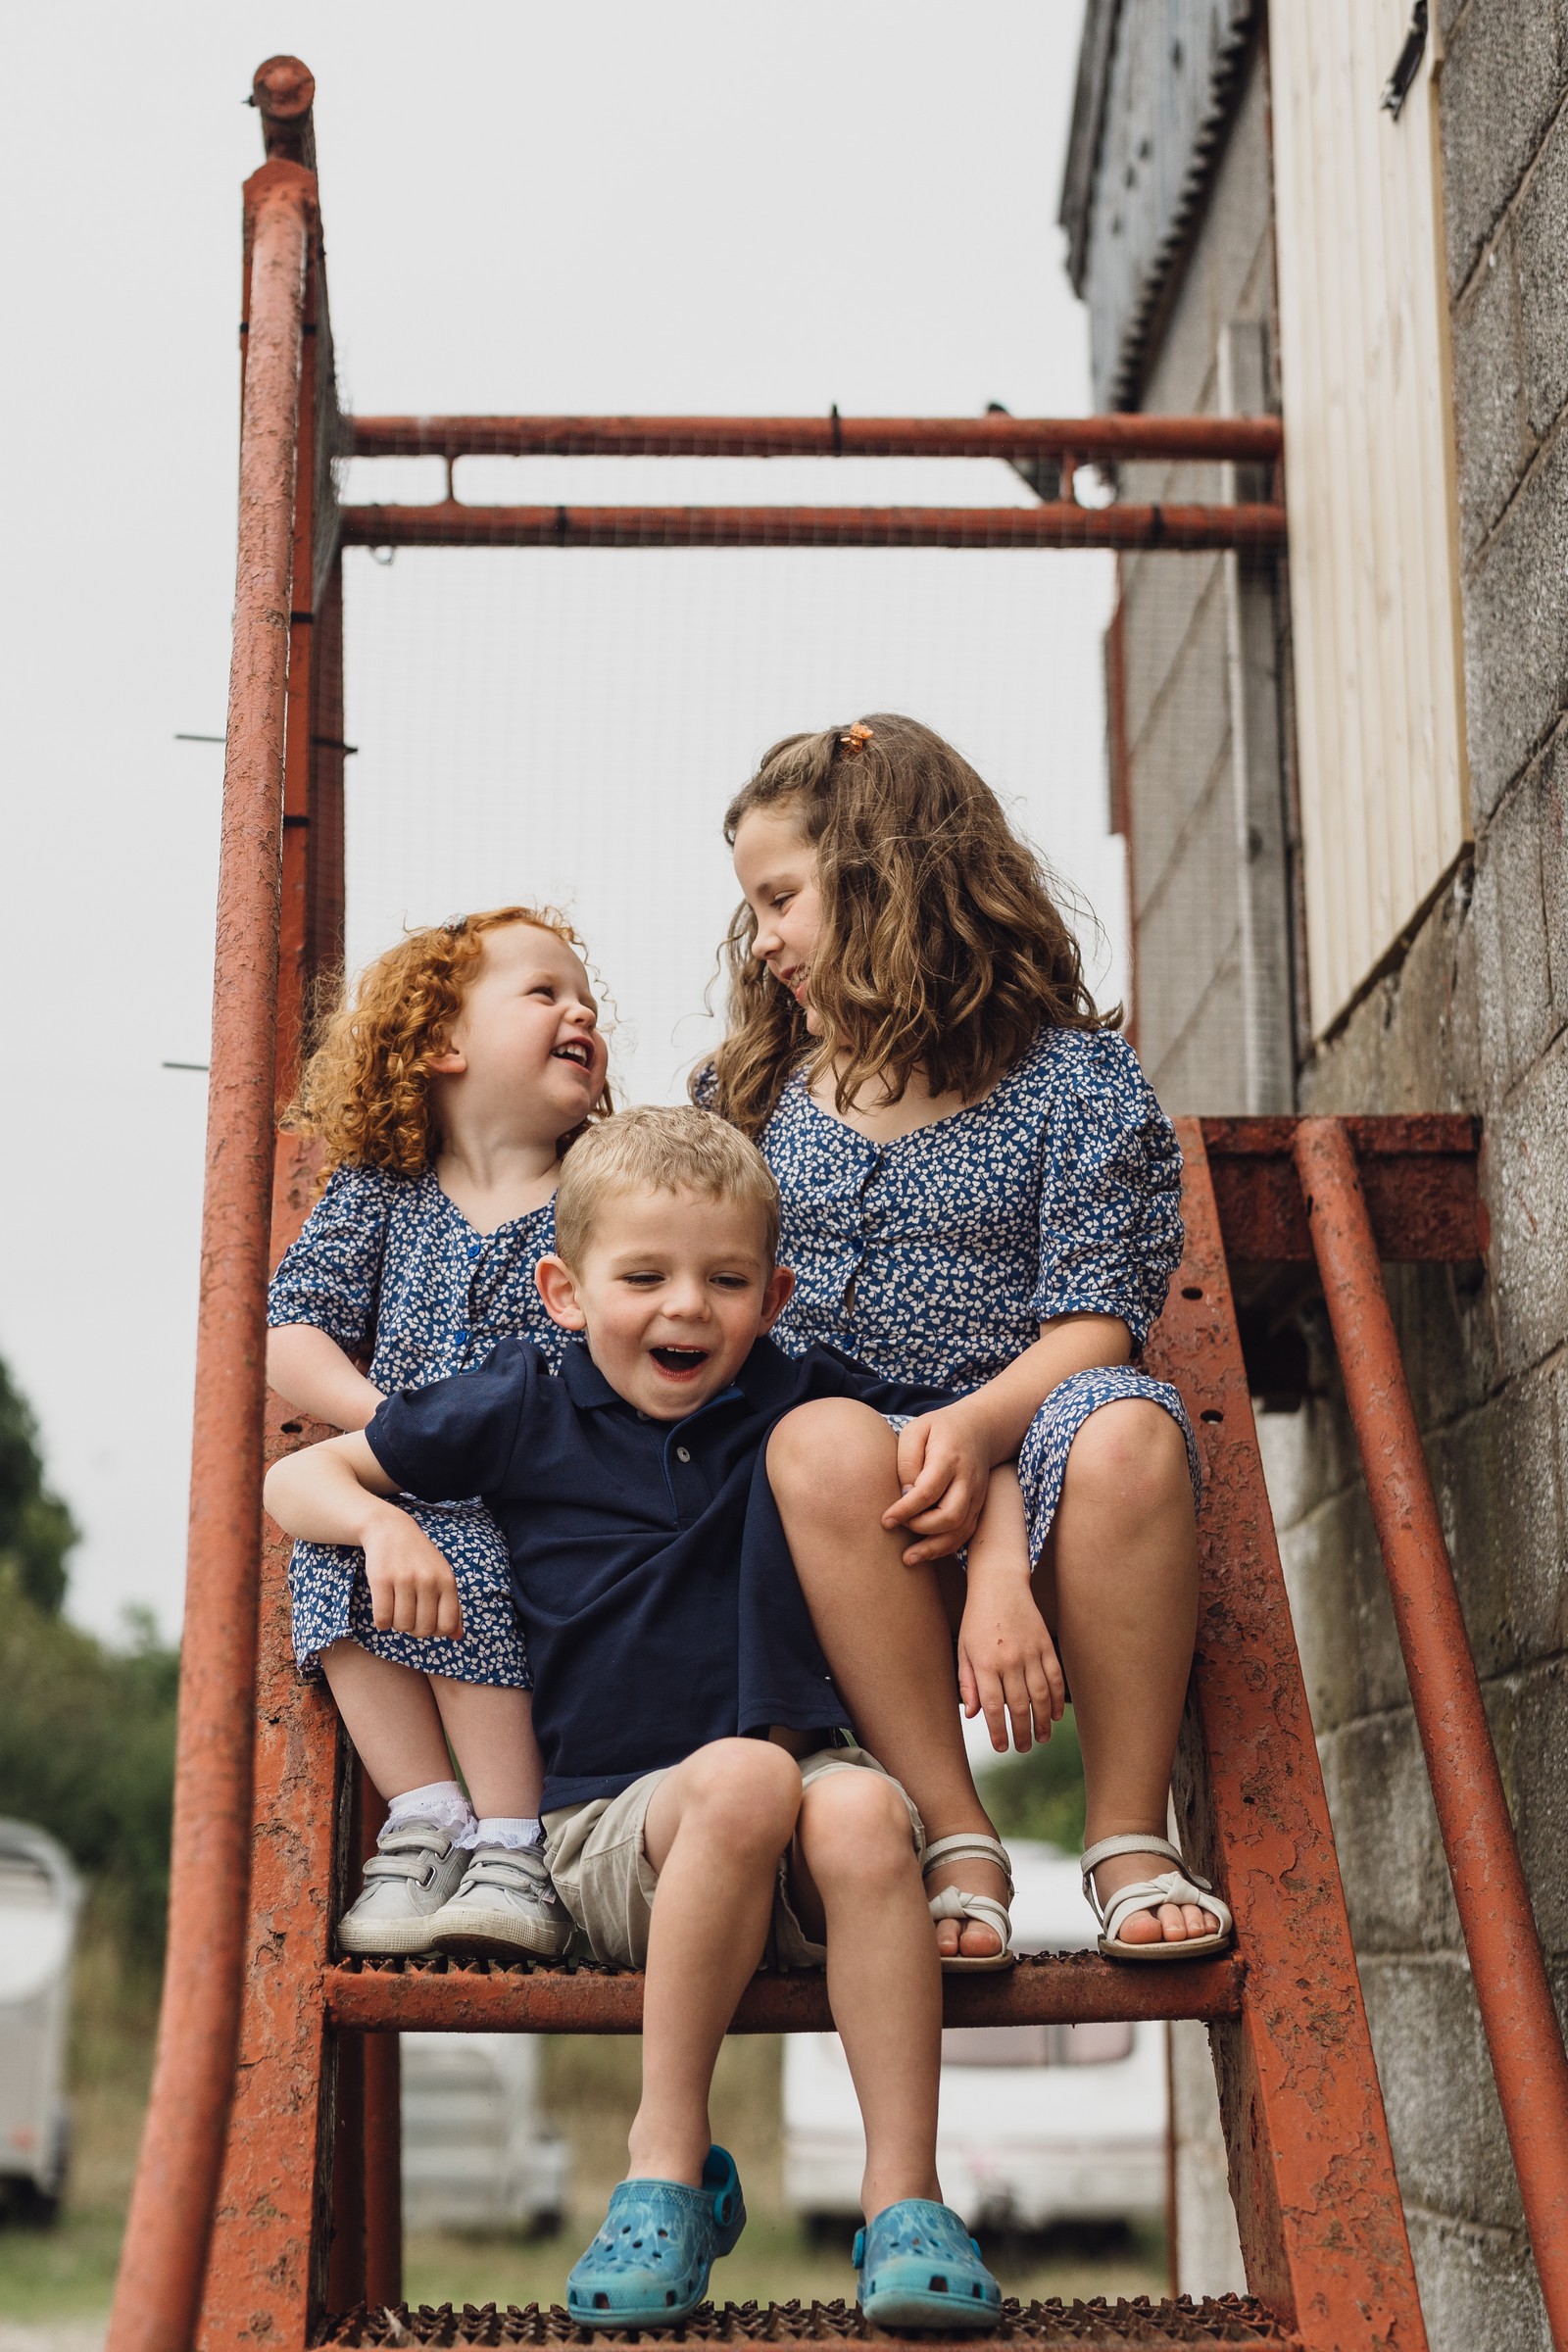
(159,2289)
(1512,1991)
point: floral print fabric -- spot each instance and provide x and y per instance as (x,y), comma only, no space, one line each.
(388,1263)
(937,1256)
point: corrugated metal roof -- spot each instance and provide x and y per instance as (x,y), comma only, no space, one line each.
(1156,79)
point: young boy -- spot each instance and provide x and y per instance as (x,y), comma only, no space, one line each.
(632,1493)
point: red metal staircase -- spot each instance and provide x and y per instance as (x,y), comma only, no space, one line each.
(272,2137)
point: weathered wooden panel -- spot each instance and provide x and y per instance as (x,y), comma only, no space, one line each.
(1370,489)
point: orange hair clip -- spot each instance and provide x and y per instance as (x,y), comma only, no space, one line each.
(856,737)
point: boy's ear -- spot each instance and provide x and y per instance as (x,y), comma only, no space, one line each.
(776,1297)
(450,1064)
(557,1287)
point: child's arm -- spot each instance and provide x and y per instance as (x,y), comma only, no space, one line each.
(313,1374)
(335,1494)
(323,1301)
(1008,1664)
(946,1457)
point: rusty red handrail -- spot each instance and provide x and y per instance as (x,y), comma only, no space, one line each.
(449,523)
(1237,440)
(1512,1991)
(159,2288)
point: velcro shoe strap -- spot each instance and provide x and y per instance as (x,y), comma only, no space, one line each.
(522,1870)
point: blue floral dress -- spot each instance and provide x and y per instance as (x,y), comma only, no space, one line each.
(391,1263)
(936,1257)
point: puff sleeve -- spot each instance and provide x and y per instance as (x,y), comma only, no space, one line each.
(331,1277)
(1110,1223)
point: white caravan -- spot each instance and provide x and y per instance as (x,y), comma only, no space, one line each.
(1038,2124)
(40,1895)
(476,2152)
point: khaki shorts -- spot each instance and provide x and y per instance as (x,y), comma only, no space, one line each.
(605,1879)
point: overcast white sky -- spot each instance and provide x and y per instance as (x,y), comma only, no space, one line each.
(694,208)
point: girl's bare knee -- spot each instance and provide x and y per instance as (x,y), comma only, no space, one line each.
(1130,1456)
(828,1448)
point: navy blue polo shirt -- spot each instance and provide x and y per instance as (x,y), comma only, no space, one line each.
(660,1603)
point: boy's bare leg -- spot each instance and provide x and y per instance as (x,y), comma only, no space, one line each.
(857,1885)
(391,1717)
(1119,1585)
(715,1829)
(884,1628)
(491,1731)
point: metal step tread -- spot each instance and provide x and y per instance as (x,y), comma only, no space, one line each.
(435,1994)
(1184,2326)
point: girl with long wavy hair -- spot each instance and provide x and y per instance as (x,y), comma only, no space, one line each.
(981,1194)
(442,1093)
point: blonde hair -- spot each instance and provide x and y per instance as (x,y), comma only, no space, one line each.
(662,1149)
(942,947)
(365,1090)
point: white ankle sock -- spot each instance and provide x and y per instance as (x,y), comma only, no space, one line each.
(509,1829)
(440,1801)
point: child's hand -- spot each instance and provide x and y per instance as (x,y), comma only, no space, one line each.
(1007,1663)
(942,1469)
(412,1591)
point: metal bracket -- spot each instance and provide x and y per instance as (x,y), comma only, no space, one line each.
(1407,64)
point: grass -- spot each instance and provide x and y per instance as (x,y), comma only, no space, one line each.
(66,2273)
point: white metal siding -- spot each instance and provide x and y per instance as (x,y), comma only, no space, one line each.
(1369,483)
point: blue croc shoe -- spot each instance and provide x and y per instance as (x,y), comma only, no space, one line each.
(649,2265)
(918,2266)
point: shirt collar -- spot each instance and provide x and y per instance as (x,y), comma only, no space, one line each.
(765,1380)
(586,1384)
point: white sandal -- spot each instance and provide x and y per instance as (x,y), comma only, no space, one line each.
(1177,1886)
(957,1902)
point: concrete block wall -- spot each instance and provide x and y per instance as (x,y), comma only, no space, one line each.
(1475,1019)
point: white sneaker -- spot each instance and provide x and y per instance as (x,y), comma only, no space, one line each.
(504,1907)
(414,1871)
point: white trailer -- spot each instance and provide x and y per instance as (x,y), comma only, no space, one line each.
(477,2154)
(1038,2124)
(40,1895)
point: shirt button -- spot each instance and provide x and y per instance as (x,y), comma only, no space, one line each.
(681,1454)
(462,1339)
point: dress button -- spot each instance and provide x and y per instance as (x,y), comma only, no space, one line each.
(682,1455)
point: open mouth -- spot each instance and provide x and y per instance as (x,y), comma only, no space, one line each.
(575,1052)
(679,1362)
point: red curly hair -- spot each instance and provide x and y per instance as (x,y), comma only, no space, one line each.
(365,1092)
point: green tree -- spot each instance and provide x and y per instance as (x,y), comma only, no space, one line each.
(37,1531)
(86,1730)
(87,1752)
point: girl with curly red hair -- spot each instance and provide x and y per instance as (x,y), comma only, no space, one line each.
(443,1091)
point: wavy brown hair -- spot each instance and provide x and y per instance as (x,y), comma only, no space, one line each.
(365,1090)
(943,947)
